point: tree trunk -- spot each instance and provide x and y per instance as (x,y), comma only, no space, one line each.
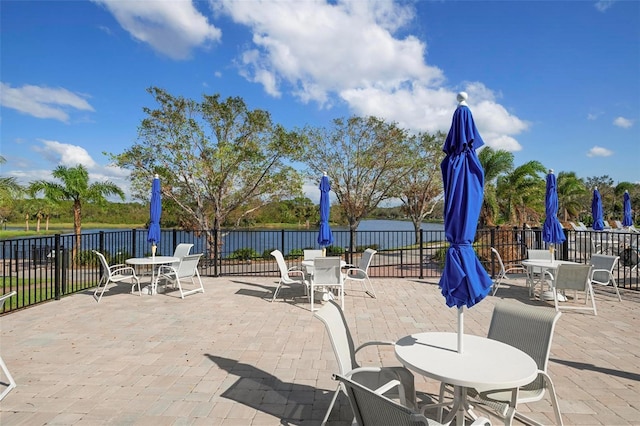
(416,230)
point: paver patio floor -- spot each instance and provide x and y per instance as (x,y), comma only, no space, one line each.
(230,357)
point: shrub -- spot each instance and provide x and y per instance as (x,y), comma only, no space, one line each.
(296,253)
(244,254)
(266,254)
(335,251)
(361,249)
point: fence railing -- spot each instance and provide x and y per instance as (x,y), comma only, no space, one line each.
(42,269)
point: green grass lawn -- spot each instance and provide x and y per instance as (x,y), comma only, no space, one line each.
(58,228)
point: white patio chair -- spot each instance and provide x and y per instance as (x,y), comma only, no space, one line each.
(12,382)
(602,272)
(530,329)
(187,269)
(383,379)
(181,250)
(327,273)
(371,408)
(502,274)
(538,276)
(361,272)
(576,278)
(288,276)
(114,274)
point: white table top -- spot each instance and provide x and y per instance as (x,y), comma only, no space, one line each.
(309,263)
(152,260)
(484,363)
(547,264)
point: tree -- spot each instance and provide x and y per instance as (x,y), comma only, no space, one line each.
(521,193)
(10,190)
(366,160)
(76,188)
(216,158)
(422,188)
(495,164)
(571,195)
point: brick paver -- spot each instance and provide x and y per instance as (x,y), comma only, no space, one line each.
(230,357)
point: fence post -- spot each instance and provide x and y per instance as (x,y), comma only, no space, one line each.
(56,267)
(215,253)
(174,237)
(133,243)
(421,253)
(284,253)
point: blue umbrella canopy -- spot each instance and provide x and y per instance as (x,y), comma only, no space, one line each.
(552,231)
(325,237)
(626,217)
(464,280)
(155,210)
(596,211)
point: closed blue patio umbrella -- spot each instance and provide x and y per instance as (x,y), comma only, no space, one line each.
(552,232)
(325,236)
(596,211)
(464,280)
(626,217)
(155,210)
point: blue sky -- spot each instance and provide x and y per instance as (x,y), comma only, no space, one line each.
(553,81)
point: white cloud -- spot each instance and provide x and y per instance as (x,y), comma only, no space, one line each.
(603,5)
(42,102)
(315,48)
(65,154)
(625,123)
(172,28)
(348,52)
(598,151)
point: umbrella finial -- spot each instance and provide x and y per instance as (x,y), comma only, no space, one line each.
(324,173)
(156,176)
(462,98)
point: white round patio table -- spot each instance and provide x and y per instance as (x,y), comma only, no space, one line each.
(152,261)
(484,364)
(545,265)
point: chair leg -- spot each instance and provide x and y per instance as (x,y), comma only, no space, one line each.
(615,286)
(371,293)
(101,293)
(275,292)
(12,383)
(333,401)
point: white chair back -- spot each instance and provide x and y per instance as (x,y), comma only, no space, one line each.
(326,271)
(365,261)
(188,265)
(339,335)
(181,250)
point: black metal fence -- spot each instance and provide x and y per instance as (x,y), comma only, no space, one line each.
(47,268)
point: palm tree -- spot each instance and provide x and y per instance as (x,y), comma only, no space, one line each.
(571,195)
(521,193)
(495,163)
(75,187)
(10,190)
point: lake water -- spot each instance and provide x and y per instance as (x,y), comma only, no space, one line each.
(384,234)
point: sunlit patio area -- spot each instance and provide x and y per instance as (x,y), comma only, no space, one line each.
(231,357)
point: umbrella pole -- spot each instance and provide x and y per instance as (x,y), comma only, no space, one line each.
(460,327)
